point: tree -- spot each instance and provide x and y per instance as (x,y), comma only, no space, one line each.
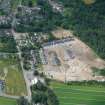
(52,98)
(39,97)
(39,87)
(30,3)
(36,73)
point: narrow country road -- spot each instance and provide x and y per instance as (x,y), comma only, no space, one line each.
(24,72)
(9,96)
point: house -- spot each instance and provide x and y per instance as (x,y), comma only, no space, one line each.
(36,79)
(2,84)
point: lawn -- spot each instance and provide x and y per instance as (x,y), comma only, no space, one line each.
(15,84)
(79,95)
(7,101)
(11,72)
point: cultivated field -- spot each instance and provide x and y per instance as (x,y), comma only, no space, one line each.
(11,72)
(79,95)
(7,101)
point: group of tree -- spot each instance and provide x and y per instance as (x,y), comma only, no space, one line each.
(43,94)
(8,44)
(43,20)
(87,21)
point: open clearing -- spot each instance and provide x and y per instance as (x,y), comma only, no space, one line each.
(11,72)
(79,95)
(7,101)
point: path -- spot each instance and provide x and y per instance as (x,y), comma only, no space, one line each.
(9,96)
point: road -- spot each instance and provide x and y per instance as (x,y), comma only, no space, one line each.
(24,71)
(9,96)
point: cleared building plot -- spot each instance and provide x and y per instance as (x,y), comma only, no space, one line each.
(69,59)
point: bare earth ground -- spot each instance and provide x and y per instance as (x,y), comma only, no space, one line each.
(89,2)
(76,68)
(61,33)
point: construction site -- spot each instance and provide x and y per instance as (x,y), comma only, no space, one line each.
(69,59)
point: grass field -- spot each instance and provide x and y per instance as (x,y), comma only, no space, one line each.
(79,95)
(7,101)
(11,72)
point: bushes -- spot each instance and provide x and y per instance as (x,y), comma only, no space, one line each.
(87,83)
(99,72)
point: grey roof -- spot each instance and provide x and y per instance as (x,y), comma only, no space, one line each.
(58,42)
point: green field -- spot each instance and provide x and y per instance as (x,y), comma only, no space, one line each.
(7,101)
(79,95)
(11,72)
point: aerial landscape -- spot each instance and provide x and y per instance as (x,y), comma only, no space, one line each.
(52,52)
